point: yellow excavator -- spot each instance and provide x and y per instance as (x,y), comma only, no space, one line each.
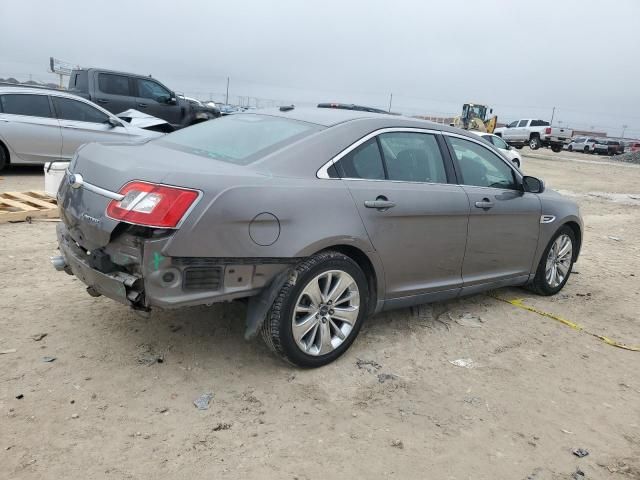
(474,117)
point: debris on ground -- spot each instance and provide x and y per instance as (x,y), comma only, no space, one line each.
(38,336)
(175,328)
(20,396)
(629,157)
(580,452)
(221,426)
(469,320)
(369,365)
(578,475)
(397,444)
(11,350)
(148,356)
(383,377)
(566,431)
(48,359)
(75,415)
(463,362)
(202,402)
(617,239)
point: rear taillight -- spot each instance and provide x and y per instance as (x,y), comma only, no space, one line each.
(152,205)
(547,131)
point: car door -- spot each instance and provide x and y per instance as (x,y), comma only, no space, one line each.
(114,92)
(507,132)
(415,219)
(29,128)
(520,132)
(156,100)
(504,221)
(83,123)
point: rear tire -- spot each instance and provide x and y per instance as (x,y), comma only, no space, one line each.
(519,147)
(534,143)
(559,262)
(570,148)
(302,326)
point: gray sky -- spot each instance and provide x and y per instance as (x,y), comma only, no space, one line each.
(521,58)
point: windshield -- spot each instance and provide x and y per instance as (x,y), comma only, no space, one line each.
(239,139)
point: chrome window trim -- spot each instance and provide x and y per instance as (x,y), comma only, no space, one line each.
(323,172)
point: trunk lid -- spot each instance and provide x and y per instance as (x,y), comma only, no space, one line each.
(111,166)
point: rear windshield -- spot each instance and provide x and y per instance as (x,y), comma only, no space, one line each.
(239,139)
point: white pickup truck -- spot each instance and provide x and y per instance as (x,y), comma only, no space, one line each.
(535,133)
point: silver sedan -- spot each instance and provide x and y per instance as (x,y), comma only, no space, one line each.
(317,218)
(39,126)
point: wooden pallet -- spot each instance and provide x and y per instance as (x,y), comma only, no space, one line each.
(22,207)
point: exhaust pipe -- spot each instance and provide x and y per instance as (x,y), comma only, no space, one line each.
(59,263)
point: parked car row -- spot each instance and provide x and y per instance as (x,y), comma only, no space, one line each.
(600,146)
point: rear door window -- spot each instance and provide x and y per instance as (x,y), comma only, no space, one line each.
(68,109)
(113,84)
(25,104)
(523,123)
(413,157)
(364,162)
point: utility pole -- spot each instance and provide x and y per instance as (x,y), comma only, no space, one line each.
(390,100)
(227,97)
(553,114)
(624,127)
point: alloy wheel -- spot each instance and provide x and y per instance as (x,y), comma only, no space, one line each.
(559,261)
(325,312)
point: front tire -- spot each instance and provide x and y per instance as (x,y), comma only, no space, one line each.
(556,263)
(556,148)
(316,319)
(516,162)
(570,148)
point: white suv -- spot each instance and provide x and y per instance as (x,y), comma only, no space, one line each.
(582,144)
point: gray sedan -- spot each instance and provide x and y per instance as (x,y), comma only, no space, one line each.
(317,218)
(39,126)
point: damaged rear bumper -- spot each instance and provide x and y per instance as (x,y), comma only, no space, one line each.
(133,270)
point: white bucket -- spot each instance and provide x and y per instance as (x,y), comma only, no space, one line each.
(53,175)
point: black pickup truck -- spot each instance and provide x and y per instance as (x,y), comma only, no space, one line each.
(119,91)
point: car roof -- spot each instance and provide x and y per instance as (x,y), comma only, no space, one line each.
(328,117)
(41,91)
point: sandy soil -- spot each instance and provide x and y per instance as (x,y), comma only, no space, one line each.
(392,407)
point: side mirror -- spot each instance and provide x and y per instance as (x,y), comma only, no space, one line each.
(532,184)
(113,123)
(172,100)
(509,147)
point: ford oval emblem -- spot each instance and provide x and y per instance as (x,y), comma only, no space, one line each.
(75,180)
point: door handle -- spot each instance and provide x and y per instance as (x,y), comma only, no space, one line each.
(381,203)
(485,204)
(143,105)
(102,100)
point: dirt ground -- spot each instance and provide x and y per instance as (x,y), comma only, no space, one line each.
(392,407)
